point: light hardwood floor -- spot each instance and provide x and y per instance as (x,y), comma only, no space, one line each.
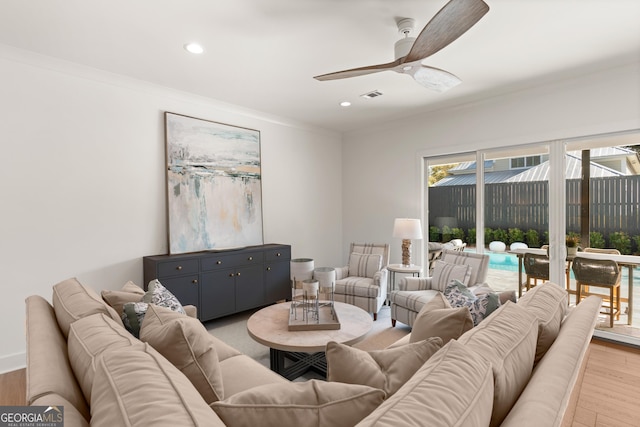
(607,394)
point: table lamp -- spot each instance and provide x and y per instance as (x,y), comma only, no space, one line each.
(407,229)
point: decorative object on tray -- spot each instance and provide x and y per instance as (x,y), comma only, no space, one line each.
(326,276)
(214,189)
(301,269)
(327,320)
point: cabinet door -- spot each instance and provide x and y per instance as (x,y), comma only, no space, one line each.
(185,288)
(217,294)
(277,281)
(249,287)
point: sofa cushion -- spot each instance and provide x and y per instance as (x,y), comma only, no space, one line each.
(139,387)
(446,323)
(310,403)
(73,301)
(385,369)
(454,388)
(507,340)
(416,300)
(187,344)
(48,368)
(241,373)
(480,306)
(130,292)
(357,286)
(88,338)
(364,265)
(444,273)
(556,374)
(548,302)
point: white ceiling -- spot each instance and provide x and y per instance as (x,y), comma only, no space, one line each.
(262,54)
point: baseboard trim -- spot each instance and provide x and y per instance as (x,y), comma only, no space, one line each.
(13,362)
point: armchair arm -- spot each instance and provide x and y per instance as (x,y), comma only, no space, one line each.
(414,284)
(380,277)
(342,272)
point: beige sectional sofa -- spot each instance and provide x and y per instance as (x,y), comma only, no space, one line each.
(517,368)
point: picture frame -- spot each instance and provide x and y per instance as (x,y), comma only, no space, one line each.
(214,185)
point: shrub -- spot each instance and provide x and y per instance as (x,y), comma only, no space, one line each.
(500,235)
(621,241)
(596,240)
(532,239)
(457,233)
(434,234)
(636,240)
(471,236)
(488,235)
(446,233)
(515,235)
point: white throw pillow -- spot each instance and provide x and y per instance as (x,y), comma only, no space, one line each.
(364,265)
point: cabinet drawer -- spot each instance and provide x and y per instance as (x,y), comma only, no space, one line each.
(280,254)
(216,262)
(177,268)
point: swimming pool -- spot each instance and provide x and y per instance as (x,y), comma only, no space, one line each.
(502,261)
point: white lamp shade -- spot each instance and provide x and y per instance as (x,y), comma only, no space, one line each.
(407,228)
(301,269)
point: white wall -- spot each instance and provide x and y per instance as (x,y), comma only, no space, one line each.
(83,181)
(381,166)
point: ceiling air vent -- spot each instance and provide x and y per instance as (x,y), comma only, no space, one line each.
(372,94)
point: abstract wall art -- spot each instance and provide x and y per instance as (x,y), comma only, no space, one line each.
(214,187)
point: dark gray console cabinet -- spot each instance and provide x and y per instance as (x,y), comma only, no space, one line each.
(220,283)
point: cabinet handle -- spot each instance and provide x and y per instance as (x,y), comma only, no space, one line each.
(179,268)
(250,258)
(278,254)
(237,274)
(194,281)
(218,262)
(230,274)
(268,268)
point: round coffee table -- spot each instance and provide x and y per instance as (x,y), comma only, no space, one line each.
(270,326)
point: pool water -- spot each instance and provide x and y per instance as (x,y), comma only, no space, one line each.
(503,261)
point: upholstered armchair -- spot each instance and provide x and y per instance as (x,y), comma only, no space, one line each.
(363,282)
(414,292)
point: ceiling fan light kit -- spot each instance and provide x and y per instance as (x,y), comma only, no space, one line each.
(453,20)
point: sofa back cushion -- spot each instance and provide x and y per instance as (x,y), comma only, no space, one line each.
(446,323)
(479,263)
(73,301)
(187,344)
(139,387)
(506,339)
(363,265)
(453,388)
(88,338)
(130,292)
(48,369)
(548,302)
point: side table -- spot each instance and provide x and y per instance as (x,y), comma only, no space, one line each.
(414,270)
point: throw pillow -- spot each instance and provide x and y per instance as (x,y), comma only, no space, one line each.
(444,273)
(446,323)
(186,343)
(133,315)
(130,292)
(362,265)
(309,403)
(386,369)
(159,295)
(479,306)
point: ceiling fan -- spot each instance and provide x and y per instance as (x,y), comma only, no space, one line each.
(453,20)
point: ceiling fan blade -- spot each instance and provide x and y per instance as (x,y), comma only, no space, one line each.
(453,20)
(359,71)
(434,78)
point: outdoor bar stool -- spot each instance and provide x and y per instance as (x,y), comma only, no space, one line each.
(537,268)
(603,273)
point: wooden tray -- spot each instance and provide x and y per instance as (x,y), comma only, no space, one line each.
(326,321)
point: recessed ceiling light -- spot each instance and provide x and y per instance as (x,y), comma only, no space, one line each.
(194,48)
(345,104)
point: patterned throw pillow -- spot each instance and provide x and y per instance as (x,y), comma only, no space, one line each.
(361,265)
(159,295)
(445,272)
(133,312)
(480,307)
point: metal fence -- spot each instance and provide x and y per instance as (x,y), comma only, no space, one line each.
(615,205)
